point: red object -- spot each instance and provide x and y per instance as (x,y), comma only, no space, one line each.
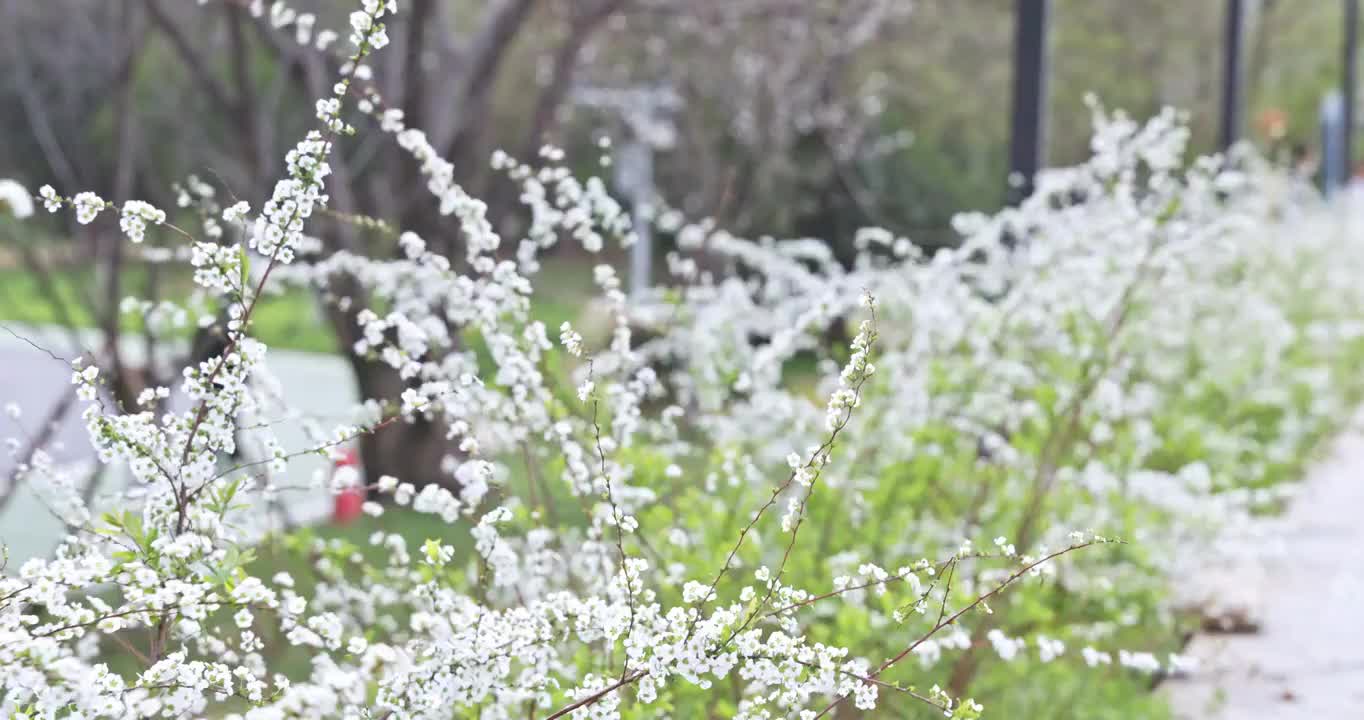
(349,503)
(1273,123)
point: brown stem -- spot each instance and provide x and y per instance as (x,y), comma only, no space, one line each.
(954,616)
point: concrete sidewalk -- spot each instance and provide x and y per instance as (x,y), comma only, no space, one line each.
(1307,660)
(322,386)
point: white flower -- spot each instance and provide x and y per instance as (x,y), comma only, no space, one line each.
(236,214)
(378,39)
(14,199)
(571,339)
(135,217)
(361,21)
(88,207)
(51,200)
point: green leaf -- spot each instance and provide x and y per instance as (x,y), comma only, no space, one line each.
(244,267)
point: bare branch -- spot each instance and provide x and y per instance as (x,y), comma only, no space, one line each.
(467,99)
(185,49)
(565,65)
(39,441)
(34,110)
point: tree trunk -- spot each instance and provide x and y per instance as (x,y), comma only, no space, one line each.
(410,451)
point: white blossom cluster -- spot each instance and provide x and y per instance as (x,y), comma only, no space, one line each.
(15,200)
(283,17)
(635,563)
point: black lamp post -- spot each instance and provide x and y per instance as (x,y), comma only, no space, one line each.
(1028,122)
(1230,130)
(1347,89)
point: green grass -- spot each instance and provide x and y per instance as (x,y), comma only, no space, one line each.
(23,299)
(291,320)
(288,320)
(275,555)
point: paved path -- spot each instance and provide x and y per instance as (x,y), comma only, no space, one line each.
(320,385)
(1307,661)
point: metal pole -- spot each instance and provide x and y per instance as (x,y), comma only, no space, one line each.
(1347,89)
(642,254)
(1332,133)
(635,176)
(1028,124)
(1231,74)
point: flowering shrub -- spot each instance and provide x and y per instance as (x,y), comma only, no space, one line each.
(732,516)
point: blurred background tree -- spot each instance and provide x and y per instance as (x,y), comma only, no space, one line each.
(796,115)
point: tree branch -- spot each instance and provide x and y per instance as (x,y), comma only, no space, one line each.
(565,65)
(185,49)
(468,98)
